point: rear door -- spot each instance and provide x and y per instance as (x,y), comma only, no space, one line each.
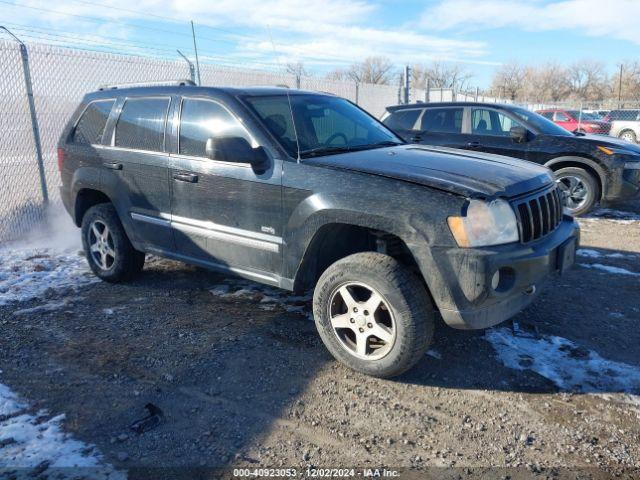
(223,214)
(490,131)
(136,170)
(442,126)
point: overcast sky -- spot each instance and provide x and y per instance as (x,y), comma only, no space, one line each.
(333,33)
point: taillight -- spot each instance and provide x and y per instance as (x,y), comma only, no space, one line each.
(60,158)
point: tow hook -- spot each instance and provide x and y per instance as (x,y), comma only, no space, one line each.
(530,290)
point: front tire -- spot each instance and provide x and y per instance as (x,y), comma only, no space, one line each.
(579,188)
(109,252)
(628,136)
(373,314)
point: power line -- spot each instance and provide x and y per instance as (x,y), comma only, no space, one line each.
(104,20)
(120,22)
(108,47)
(161,17)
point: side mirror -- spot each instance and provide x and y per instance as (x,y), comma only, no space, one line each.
(518,134)
(236,150)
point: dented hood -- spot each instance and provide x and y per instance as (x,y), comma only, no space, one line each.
(475,175)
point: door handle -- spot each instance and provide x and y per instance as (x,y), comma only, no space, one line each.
(473,145)
(113,165)
(186,177)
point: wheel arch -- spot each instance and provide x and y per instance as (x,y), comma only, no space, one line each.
(336,240)
(581,162)
(86,198)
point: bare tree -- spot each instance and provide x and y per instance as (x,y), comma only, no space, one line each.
(588,80)
(509,81)
(546,82)
(627,88)
(297,69)
(441,75)
(378,70)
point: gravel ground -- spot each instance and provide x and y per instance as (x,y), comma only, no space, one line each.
(243,380)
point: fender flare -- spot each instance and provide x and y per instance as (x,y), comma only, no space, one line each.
(583,161)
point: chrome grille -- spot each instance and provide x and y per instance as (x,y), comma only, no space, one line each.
(538,215)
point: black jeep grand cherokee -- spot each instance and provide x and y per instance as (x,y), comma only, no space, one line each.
(299,190)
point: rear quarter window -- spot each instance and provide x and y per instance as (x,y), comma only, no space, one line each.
(141,124)
(92,122)
(403,119)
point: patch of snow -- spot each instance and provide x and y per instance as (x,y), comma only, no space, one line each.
(30,441)
(268,297)
(46,307)
(610,269)
(590,253)
(563,362)
(28,273)
(434,354)
(618,216)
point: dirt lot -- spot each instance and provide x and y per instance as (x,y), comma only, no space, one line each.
(242,378)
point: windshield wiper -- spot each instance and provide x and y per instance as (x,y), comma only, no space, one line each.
(314,152)
(318,151)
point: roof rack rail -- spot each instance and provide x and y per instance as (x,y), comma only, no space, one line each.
(161,83)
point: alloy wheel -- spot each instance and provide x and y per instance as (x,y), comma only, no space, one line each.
(101,245)
(575,191)
(362,321)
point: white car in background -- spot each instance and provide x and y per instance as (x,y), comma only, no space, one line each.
(625,124)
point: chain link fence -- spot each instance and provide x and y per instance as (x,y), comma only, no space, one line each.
(60,76)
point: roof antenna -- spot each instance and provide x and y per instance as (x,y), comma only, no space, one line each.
(195,47)
(293,122)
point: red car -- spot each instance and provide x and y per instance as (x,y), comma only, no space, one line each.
(577,121)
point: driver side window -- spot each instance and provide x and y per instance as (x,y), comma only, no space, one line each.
(201,119)
(491,122)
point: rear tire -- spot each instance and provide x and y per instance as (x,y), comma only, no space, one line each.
(110,254)
(580,189)
(628,136)
(347,317)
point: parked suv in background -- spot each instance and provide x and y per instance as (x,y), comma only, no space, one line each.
(577,121)
(589,168)
(625,124)
(305,190)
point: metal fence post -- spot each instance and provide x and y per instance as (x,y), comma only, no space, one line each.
(357,93)
(24,55)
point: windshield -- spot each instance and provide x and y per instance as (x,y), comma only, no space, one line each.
(324,125)
(543,125)
(584,115)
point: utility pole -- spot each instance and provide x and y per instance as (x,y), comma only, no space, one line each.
(620,87)
(195,47)
(407,83)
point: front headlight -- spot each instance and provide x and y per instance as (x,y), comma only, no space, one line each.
(485,224)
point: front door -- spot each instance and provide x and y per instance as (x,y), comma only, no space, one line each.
(224,214)
(491,133)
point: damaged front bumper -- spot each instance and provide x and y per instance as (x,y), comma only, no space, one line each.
(485,286)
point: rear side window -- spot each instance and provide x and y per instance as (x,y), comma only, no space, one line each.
(548,115)
(141,124)
(203,119)
(92,122)
(403,119)
(442,120)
